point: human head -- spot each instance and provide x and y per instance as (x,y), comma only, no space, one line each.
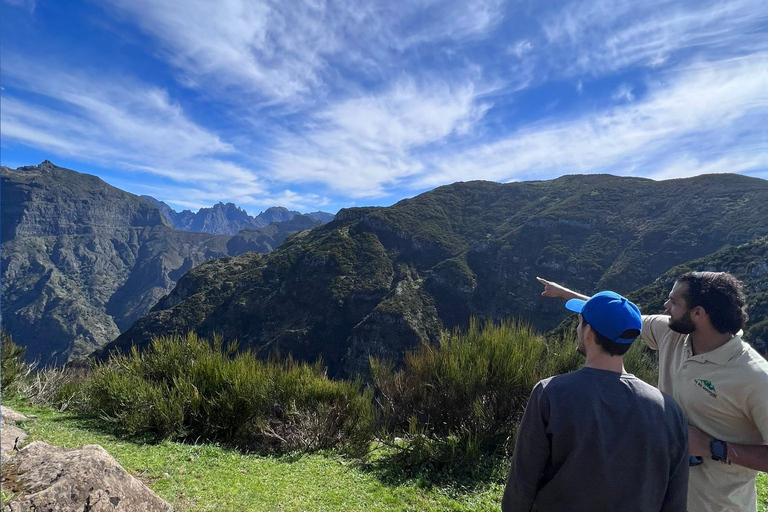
(716,297)
(613,321)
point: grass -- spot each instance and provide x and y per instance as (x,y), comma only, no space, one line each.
(762,492)
(211,478)
(197,478)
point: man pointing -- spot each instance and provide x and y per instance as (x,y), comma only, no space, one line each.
(720,382)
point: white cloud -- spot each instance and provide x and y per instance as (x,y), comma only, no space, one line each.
(602,36)
(364,146)
(712,114)
(109,122)
(283,50)
(691,166)
(521,48)
(623,93)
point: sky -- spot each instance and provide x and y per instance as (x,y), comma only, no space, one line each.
(316,105)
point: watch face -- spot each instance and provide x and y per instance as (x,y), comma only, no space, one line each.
(718,449)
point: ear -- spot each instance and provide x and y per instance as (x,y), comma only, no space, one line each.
(699,313)
(588,332)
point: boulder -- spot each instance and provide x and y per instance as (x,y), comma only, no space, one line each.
(55,479)
(10,416)
(10,434)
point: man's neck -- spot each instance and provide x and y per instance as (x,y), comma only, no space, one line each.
(707,340)
(603,361)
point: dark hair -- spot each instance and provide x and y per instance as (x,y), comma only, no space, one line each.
(610,346)
(722,297)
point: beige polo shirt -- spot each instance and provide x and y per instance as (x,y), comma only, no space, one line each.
(725,394)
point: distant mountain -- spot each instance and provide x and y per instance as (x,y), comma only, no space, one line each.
(82,260)
(266,239)
(379,281)
(227,219)
(321,216)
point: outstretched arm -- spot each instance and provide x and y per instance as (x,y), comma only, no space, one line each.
(555,290)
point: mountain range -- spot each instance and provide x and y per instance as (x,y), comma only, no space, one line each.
(228,219)
(82,260)
(380,281)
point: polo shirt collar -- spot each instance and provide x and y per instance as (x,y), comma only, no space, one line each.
(722,354)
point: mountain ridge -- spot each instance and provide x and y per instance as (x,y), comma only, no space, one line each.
(83,260)
(228,218)
(379,281)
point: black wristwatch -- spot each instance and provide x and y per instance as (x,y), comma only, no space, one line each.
(719,450)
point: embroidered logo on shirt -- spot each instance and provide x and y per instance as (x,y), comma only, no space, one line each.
(706,386)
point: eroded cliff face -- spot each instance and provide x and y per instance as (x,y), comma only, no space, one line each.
(82,261)
(379,281)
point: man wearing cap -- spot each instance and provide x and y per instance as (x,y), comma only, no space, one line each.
(600,439)
(720,382)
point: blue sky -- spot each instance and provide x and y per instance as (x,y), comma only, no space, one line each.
(320,105)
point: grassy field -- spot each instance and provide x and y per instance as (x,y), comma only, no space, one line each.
(211,478)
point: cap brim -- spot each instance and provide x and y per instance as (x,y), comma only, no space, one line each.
(575,305)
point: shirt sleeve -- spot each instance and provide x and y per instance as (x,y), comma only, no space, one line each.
(531,455)
(758,409)
(654,328)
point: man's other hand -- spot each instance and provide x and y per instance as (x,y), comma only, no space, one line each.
(698,442)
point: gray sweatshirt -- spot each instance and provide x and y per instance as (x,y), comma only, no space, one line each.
(595,440)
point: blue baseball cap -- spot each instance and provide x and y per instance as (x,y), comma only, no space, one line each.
(609,314)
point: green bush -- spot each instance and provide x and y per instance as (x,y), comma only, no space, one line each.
(463,398)
(187,388)
(13,369)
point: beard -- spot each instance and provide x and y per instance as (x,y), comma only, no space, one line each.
(683,325)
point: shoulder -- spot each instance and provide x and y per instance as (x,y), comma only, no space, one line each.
(567,382)
(657,324)
(751,365)
(752,368)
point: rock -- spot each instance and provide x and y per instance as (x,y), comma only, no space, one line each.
(10,434)
(11,417)
(48,478)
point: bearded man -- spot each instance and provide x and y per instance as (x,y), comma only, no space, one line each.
(719,381)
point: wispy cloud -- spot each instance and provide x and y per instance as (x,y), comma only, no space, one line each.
(282,51)
(623,93)
(600,36)
(115,123)
(364,146)
(712,114)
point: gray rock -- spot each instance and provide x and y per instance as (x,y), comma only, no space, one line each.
(48,478)
(10,434)
(10,437)
(10,416)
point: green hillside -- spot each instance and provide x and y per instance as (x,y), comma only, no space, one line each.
(378,281)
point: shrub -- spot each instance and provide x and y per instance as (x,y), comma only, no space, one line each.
(59,388)
(463,398)
(13,369)
(189,388)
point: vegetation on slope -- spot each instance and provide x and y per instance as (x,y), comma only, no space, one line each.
(467,249)
(748,262)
